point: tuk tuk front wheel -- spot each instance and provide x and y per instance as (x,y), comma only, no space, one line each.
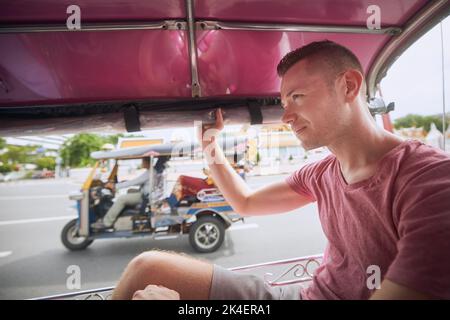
(207,234)
(69,238)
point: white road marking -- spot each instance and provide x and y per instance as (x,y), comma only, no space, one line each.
(242,226)
(166,237)
(10,222)
(26,183)
(4,254)
(48,196)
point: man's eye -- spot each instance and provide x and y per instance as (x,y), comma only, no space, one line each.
(297,96)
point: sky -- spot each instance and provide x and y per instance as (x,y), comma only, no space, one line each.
(414,82)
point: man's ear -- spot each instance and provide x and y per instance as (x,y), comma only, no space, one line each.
(353,81)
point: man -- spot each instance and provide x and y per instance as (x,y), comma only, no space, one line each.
(132,199)
(383,203)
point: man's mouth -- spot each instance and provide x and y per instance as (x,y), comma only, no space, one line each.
(298,131)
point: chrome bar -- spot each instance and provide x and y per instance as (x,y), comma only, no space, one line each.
(74,294)
(277,262)
(302,266)
(150,188)
(245,26)
(247,267)
(84,215)
(288,282)
(300,270)
(195,85)
(161,25)
(444,115)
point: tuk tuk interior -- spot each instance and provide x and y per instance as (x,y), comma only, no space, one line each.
(208,55)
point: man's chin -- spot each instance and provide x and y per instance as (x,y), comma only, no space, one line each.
(309,145)
(307,148)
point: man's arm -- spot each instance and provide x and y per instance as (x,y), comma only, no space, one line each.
(143,178)
(274,198)
(392,291)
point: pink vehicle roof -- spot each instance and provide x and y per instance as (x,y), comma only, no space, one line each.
(185,50)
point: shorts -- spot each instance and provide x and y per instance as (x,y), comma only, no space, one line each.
(231,285)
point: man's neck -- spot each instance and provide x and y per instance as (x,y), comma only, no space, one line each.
(359,151)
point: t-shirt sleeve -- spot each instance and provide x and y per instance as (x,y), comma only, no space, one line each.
(422,262)
(140,180)
(302,181)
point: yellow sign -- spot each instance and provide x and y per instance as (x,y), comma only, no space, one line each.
(138,143)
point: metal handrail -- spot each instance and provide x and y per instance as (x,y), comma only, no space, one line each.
(300,278)
(293,27)
(299,271)
(98,26)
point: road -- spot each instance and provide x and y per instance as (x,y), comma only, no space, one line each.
(33,261)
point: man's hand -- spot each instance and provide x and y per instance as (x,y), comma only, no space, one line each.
(153,292)
(275,198)
(110,185)
(393,291)
(214,130)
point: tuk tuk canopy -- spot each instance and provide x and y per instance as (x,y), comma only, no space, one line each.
(147,64)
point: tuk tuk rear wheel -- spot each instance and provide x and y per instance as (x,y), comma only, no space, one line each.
(70,240)
(207,234)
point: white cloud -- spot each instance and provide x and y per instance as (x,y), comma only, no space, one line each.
(414,82)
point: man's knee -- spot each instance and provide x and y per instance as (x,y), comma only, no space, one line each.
(151,261)
(121,200)
(130,199)
(175,271)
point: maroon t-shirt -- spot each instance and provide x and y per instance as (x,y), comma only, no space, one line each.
(397,220)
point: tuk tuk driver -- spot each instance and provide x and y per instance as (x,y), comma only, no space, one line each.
(383,202)
(134,198)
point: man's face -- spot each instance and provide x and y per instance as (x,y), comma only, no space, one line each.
(145,164)
(311,105)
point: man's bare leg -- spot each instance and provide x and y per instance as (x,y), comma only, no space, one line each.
(190,277)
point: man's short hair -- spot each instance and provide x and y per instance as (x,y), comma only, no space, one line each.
(337,57)
(331,54)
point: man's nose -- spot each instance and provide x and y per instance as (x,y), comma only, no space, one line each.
(287,117)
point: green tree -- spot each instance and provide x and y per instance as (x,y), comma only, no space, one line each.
(5,167)
(18,154)
(15,155)
(76,151)
(45,163)
(415,120)
(2,143)
(113,139)
(258,157)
